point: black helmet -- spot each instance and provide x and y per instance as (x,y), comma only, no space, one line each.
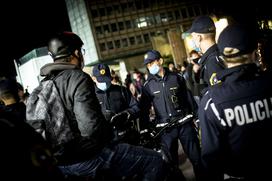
(64,44)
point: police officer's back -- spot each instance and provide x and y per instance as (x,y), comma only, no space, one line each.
(235,114)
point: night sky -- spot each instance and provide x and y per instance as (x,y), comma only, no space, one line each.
(28,24)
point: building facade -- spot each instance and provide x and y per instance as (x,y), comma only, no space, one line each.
(123,30)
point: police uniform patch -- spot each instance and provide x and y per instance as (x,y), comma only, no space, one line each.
(102,71)
(213,79)
(145,56)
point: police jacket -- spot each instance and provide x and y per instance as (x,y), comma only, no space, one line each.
(210,64)
(168,95)
(236,121)
(77,92)
(115,100)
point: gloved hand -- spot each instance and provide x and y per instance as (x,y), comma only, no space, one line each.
(120,119)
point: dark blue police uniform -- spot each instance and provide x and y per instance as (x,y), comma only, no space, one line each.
(169,97)
(115,100)
(210,64)
(235,120)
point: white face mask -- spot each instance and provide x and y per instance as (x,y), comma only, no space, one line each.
(196,46)
(154,69)
(102,86)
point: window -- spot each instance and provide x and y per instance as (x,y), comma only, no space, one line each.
(109,10)
(128,24)
(102,11)
(124,42)
(117,43)
(113,27)
(106,28)
(121,26)
(146,38)
(197,11)
(124,7)
(141,22)
(157,19)
(94,13)
(116,8)
(110,45)
(184,13)
(139,39)
(204,9)
(177,14)
(132,40)
(138,5)
(163,17)
(191,12)
(98,30)
(102,47)
(170,16)
(146,4)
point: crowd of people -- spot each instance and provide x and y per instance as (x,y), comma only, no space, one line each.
(225,86)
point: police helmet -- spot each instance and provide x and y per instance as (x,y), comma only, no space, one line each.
(63,45)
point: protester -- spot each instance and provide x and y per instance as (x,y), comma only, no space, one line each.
(90,150)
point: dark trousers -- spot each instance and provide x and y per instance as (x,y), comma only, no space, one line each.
(190,143)
(121,160)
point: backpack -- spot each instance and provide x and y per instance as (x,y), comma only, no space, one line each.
(46,112)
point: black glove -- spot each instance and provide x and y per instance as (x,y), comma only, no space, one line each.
(120,119)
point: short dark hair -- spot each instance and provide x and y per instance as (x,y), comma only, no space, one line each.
(9,89)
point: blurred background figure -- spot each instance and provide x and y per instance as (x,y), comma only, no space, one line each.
(264,54)
(23,93)
(9,96)
(115,78)
(138,82)
(172,67)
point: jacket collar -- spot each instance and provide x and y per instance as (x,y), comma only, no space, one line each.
(55,67)
(157,77)
(204,57)
(238,72)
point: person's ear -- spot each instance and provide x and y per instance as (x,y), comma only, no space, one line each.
(76,53)
(161,61)
(199,37)
(94,79)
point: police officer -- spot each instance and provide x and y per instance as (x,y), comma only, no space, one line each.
(236,114)
(116,101)
(203,34)
(167,93)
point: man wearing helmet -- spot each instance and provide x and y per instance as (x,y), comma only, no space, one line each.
(92,150)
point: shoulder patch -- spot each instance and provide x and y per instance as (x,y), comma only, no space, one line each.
(213,79)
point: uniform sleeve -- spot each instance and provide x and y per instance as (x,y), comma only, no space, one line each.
(210,131)
(213,66)
(87,110)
